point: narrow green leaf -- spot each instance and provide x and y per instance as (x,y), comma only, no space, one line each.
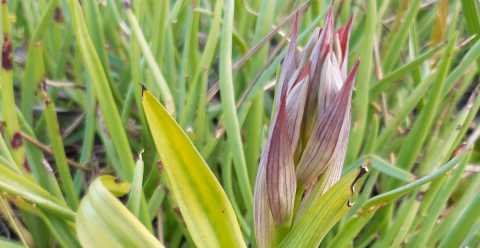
(151,62)
(400,37)
(203,66)
(453,217)
(417,136)
(388,169)
(34,73)
(439,201)
(360,100)
(467,60)
(61,230)
(459,230)
(204,205)
(350,230)
(134,197)
(321,214)
(103,92)
(472,15)
(231,121)
(402,111)
(403,222)
(402,71)
(392,195)
(156,201)
(25,187)
(55,137)
(7,103)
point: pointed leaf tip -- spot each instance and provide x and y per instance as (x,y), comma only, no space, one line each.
(204,205)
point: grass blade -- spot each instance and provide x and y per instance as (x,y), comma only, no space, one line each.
(26,188)
(361,97)
(228,104)
(424,122)
(55,137)
(103,92)
(151,62)
(461,228)
(103,221)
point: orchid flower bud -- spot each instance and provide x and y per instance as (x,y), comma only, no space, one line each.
(309,130)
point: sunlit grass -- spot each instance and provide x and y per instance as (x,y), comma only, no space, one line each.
(78,82)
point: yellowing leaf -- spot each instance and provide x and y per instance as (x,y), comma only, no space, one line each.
(440,27)
(103,221)
(204,205)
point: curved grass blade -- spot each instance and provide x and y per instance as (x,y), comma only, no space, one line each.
(103,221)
(390,170)
(369,208)
(26,188)
(204,205)
(152,64)
(392,195)
(103,92)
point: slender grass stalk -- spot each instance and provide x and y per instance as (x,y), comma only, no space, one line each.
(460,229)
(398,38)
(228,104)
(361,98)
(472,15)
(254,120)
(441,197)
(55,137)
(34,71)
(417,136)
(103,92)
(152,64)
(8,96)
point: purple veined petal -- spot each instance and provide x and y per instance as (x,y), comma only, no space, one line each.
(310,46)
(323,143)
(330,83)
(264,224)
(280,169)
(334,168)
(312,87)
(317,59)
(329,26)
(276,182)
(290,62)
(296,99)
(343,35)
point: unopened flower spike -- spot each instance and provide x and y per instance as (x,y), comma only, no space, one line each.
(309,130)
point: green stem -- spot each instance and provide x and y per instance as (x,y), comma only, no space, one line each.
(228,104)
